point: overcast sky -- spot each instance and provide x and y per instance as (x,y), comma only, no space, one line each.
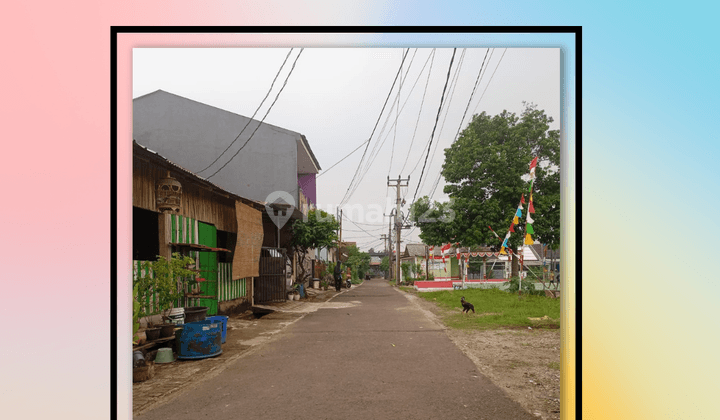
(334,97)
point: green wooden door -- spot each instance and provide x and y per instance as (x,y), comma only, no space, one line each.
(207,235)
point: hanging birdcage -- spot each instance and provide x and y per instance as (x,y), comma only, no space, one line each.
(169,192)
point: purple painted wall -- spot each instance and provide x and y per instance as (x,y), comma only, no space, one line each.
(307,184)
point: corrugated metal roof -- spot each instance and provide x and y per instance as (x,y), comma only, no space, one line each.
(138,146)
(415,250)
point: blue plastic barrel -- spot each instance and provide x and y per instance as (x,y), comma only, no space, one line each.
(200,339)
(222,319)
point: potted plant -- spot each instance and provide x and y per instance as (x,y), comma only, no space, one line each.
(162,284)
(138,338)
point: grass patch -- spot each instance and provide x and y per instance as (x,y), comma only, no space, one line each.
(554,365)
(495,308)
(408,289)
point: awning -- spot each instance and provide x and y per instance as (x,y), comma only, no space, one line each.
(197,247)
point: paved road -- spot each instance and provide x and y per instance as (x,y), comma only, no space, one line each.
(378,357)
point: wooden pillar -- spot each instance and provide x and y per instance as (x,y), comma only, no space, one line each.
(164,228)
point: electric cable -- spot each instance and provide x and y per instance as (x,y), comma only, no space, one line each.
(263,119)
(254,113)
(442,98)
(373,132)
(477,82)
(491,77)
(446,107)
(422,102)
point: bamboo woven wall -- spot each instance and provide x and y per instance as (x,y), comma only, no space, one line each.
(197,202)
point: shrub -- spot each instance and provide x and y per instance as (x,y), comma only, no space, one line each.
(528,286)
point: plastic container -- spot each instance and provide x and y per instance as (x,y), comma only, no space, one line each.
(177,316)
(222,319)
(195,313)
(138,359)
(200,339)
(164,355)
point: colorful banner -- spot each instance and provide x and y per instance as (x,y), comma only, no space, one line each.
(518,214)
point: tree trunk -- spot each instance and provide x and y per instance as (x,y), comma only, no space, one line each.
(515,265)
(303,273)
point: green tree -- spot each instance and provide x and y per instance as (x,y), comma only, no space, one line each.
(317,231)
(385,265)
(486,173)
(358,261)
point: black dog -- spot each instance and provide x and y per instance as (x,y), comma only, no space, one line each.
(467,306)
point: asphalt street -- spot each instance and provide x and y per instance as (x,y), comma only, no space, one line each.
(377,356)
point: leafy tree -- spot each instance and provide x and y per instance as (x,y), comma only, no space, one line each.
(318,231)
(358,261)
(385,264)
(485,171)
(406,271)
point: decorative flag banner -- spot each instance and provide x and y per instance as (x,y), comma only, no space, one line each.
(529,230)
(467,255)
(528,240)
(518,214)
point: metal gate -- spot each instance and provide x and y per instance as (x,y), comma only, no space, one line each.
(270,286)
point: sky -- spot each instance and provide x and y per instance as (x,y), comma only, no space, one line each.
(341,97)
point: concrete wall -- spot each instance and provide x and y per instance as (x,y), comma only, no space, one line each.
(193,134)
(307,183)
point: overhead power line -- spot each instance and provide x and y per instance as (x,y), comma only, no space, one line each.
(442,98)
(422,102)
(263,118)
(491,77)
(254,113)
(446,107)
(347,197)
(379,145)
(477,82)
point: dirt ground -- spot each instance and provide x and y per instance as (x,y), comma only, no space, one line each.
(524,362)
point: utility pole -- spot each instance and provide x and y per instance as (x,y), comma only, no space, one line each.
(398,221)
(389,244)
(385,239)
(339,216)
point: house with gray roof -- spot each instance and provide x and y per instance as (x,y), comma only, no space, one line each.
(244,156)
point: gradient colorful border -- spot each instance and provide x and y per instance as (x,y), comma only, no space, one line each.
(566,38)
